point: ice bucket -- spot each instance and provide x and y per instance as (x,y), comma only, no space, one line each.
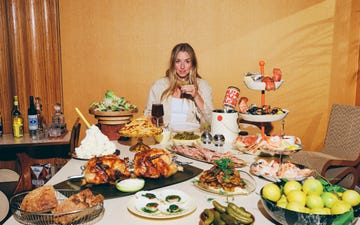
(225,123)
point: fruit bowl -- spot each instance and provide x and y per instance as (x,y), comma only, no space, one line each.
(285,216)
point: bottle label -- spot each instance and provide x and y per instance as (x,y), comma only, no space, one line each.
(18,127)
(33,122)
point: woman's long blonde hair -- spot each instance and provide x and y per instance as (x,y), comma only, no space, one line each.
(171,72)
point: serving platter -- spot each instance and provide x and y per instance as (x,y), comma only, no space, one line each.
(110,191)
(238,162)
(259,85)
(248,179)
(275,171)
(265,117)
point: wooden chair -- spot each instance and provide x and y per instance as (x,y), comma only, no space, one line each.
(75,135)
(339,159)
(25,161)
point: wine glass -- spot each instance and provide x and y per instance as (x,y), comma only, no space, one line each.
(157,112)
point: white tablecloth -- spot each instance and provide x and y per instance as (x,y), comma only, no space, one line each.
(116,211)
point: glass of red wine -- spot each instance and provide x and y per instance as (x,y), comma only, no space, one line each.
(157,112)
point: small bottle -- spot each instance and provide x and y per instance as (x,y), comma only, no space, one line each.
(41,119)
(1,125)
(17,119)
(32,119)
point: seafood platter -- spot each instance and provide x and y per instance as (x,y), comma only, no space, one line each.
(224,179)
(267,145)
(169,203)
(274,171)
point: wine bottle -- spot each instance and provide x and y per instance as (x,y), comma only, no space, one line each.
(32,119)
(1,125)
(17,119)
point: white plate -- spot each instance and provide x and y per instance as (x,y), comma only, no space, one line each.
(185,126)
(190,207)
(264,118)
(258,85)
(249,180)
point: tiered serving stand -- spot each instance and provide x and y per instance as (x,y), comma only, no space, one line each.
(260,86)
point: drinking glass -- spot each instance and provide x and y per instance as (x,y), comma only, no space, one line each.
(157,112)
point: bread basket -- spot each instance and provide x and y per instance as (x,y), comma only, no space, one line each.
(86,216)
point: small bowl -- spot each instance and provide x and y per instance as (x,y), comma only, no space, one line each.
(289,217)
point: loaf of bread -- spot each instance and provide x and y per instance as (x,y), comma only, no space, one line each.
(41,199)
(79,201)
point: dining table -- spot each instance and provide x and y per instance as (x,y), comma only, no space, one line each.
(117,209)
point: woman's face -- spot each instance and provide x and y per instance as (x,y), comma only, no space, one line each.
(183,64)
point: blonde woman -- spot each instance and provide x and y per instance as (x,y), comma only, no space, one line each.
(186,97)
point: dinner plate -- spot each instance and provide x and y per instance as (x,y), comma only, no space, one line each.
(248,179)
(189,207)
(185,126)
(265,117)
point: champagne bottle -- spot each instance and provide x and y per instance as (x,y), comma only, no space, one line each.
(17,119)
(32,119)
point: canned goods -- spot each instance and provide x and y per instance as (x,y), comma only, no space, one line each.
(231,98)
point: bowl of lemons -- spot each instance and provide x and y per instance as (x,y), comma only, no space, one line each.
(312,201)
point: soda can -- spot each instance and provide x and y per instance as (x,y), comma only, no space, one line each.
(231,98)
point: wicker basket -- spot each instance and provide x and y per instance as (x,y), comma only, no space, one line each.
(86,216)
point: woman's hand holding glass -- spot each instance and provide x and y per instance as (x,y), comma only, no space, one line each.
(188,89)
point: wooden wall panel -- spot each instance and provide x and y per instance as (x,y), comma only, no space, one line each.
(34,55)
(5,83)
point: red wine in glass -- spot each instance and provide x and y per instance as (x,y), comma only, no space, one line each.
(157,111)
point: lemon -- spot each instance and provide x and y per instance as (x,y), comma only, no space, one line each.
(351,196)
(282,202)
(314,201)
(291,185)
(158,138)
(271,192)
(130,185)
(340,207)
(292,147)
(313,186)
(296,196)
(320,211)
(296,206)
(329,199)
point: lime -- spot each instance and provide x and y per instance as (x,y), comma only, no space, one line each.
(351,196)
(329,199)
(313,186)
(296,196)
(130,185)
(291,185)
(271,192)
(340,207)
(314,201)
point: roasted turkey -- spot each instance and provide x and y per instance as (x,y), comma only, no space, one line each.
(154,163)
(105,169)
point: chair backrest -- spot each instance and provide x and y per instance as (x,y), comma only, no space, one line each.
(343,134)
(75,134)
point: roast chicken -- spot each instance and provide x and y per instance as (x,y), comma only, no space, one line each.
(154,163)
(106,169)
